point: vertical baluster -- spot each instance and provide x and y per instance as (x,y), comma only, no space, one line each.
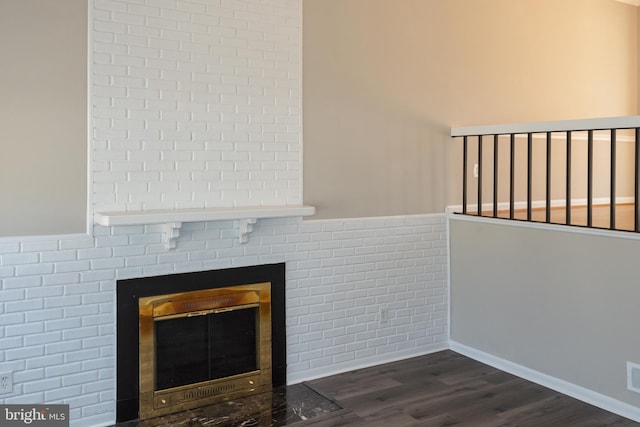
(636,202)
(548,183)
(479,175)
(529,173)
(568,187)
(512,176)
(495,176)
(612,203)
(464,174)
(590,178)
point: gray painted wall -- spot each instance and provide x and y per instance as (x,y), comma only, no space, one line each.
(561,303)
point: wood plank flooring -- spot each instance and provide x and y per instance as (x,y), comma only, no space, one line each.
(448,389)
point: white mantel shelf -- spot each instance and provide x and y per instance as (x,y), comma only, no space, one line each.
(172,219)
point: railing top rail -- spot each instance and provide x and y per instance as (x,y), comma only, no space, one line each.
(625,122)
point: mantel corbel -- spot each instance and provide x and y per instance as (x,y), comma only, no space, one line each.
(245,227)
(171,232)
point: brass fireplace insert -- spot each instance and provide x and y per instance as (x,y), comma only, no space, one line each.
(203,347)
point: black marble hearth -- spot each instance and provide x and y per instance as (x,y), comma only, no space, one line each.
(284,406)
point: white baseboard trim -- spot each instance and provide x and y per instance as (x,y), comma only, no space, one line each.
(589,396)
(368,362)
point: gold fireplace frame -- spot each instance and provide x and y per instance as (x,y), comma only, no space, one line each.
(153,402)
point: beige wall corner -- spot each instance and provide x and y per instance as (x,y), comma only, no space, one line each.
(384,81)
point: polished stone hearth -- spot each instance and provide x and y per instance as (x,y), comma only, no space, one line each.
(284,406)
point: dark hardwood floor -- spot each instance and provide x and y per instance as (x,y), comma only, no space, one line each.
(440,389)
(448,389)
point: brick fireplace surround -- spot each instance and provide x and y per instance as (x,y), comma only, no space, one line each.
(197,104)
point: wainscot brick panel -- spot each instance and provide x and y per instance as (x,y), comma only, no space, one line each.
(61,347)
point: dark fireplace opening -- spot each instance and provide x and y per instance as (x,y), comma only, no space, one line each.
(195,349)
(209,344)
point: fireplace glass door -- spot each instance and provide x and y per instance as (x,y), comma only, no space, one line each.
(193,349)
(203,347)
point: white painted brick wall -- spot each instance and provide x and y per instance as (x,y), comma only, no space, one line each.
(345,272)
(58,327)
(196,104)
